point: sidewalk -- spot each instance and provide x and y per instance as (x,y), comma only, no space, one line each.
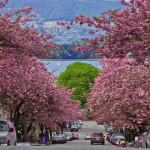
(37,144)
(23,144)
(29,144)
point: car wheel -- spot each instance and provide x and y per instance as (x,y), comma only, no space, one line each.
(8,143)
(15,143)
(103,143)
(146,145)
(91,143)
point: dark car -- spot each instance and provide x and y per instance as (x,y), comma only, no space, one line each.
(78,124)
(109,134)
(98,138)
(116,138)
(59,138)
(113,136)
(69,136)
(74,127)
(99,123)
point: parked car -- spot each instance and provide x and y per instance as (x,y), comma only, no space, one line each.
(143,141)
(113,136)
(108,127)
(140,141)
(117,138)
(148,140)
(74,127)
(69,136)
(80,121)
(59,138)
(88,137)
(75,136)
(78,124)
(109,134)
(98,138)
(121,142)
(7,132)
(99,123)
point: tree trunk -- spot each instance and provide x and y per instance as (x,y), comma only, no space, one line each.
(16,120)
(25,128)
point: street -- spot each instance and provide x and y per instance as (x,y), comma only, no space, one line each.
(87,128)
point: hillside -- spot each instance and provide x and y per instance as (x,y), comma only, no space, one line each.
(51,11)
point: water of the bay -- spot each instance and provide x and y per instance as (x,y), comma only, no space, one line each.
(56,66)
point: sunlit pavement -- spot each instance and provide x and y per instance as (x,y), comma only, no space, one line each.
(87,128)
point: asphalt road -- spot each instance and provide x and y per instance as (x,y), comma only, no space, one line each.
(87,128)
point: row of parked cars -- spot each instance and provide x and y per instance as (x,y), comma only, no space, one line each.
(64,137)
(117,138)
(68,135)
(76,125)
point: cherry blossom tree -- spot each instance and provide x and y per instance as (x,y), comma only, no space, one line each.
(25,87)
(22,83)
(64,110)
(3,3)
(120,31)
(17,37)
(28,90)
(121,94)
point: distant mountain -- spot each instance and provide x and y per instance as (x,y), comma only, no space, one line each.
(50,11)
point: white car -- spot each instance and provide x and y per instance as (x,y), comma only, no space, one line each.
(81,122)
(88,137)
(7,132)
(110,128)
(148,141)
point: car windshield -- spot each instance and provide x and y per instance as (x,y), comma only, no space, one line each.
(58,135)
(88,135)
(77,123)
(116,134)
(119,137)
(3,126)
(68,133)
